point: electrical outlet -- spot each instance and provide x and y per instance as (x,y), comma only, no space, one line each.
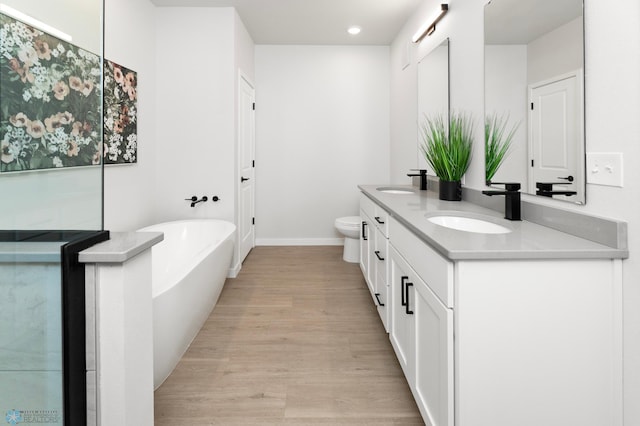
(605,168)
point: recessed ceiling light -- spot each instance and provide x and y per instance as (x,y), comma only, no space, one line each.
(354,30)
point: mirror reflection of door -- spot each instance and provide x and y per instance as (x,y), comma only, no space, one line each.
(554,123)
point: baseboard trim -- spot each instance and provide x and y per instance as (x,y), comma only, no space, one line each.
(234,271)
(299,241)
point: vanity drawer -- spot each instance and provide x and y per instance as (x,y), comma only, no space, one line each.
(379,215)
(381,220)
(367,206)
(380,255)
(435,270)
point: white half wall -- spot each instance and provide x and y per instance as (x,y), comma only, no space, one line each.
(129,189)
(322,128)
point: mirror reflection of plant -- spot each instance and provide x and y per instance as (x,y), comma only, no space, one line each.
(497,142)
(448,152)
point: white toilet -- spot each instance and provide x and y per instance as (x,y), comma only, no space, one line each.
(349,226)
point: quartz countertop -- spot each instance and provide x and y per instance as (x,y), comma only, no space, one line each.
(120,247)
(527,240)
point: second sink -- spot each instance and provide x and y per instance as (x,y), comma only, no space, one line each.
(395,190)
(467,223)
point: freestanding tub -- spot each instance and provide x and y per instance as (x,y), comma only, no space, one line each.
(189,268)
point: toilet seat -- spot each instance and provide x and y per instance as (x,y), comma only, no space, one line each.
(348,222)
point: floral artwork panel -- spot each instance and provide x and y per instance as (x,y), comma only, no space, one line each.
(120,115)
(50,101)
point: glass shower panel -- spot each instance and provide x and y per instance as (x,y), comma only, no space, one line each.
(31,377)
(51,181)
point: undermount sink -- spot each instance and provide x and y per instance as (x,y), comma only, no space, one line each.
(467,223)
(393,190)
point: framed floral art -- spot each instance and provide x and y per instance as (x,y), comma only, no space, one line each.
(50,101)
(120,114)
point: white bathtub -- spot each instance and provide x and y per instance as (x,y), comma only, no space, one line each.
(189,269)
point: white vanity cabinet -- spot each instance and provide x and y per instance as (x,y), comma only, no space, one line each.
(422,325)
(374,247)
(537,341)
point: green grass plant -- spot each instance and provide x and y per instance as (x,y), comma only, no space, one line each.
(497,143)
(448,152)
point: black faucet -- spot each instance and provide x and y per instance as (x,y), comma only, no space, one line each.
(511,199)
(194,200)
(423,178)
(545,189)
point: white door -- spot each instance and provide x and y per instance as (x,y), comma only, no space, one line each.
(555,129)
(246,179)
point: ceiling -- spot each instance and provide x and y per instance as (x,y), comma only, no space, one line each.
(521,21)
(319,22)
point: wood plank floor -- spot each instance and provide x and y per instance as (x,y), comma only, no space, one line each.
(294,340)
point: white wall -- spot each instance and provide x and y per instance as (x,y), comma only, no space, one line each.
(612,125)
(463,24)
(555,53)
(322,128)
(195,77)
(129,189)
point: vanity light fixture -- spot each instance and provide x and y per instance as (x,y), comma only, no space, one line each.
(354,30)
(20,16)
(427,30)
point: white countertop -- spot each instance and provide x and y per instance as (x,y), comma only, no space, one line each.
(527,240)
(120,247)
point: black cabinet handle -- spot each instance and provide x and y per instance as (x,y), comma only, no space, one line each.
(378,299)
(364,230)
(406,288)
(242,178)
(569,178)
(402,293)
(377,253)
(377,218)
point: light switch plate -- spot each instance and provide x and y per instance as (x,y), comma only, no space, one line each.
(605,168)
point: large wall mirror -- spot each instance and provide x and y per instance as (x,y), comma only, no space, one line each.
(433,88)
(534,90)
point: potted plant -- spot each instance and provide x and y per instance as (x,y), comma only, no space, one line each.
(497,143)
(447,147)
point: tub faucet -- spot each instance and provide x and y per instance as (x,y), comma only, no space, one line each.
(511,199)
(423,177)
(194,200)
